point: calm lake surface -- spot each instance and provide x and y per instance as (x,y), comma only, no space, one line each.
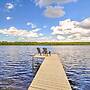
(16,72)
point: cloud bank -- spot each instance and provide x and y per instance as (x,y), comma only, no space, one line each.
(69,30)
(22,33)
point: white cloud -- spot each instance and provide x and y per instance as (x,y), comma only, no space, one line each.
(40,39)
(44,26)
(28,23)
(8,18)
(54,12)
(52,8)
(60,37)
(9,6)
(31,24)
(45,39)
(22,33)
(42,3)
(85,23)
(72,30)
(36,30)
(64,1)
(45,3)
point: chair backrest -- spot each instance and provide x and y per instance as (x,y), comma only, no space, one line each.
(45,50)
(39,51)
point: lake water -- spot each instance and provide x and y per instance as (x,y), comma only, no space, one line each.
(16,72)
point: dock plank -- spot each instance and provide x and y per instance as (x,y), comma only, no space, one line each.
(51,75)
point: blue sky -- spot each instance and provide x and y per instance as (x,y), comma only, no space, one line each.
(39,20)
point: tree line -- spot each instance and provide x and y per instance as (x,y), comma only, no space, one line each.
(44,43)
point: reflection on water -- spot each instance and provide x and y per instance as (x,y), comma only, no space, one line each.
(76,60)
(16,71)
(16,66)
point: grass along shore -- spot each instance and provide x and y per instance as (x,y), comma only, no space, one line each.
(44,43)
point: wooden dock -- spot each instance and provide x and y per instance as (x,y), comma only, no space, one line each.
(51,75)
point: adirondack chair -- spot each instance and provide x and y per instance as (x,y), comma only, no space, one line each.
(39,51)
(45,51)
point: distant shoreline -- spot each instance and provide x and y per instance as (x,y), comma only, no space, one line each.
(44,43)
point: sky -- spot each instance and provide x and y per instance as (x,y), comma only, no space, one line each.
(44,20)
